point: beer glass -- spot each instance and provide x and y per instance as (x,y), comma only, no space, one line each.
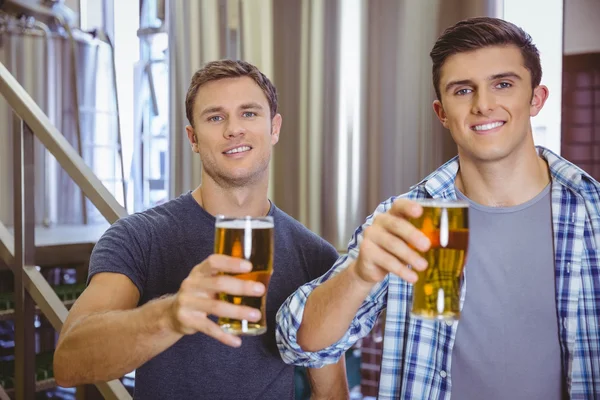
(250,238)
(436,294)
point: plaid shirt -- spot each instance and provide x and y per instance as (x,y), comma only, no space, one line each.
(417,354)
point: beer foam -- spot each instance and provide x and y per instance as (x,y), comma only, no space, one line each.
(244,224)
(441,203)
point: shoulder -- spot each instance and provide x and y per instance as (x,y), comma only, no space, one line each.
(175,210)
(310,255)
(590,189)
(571,176)
(141,228)
(294,233)
(286,225)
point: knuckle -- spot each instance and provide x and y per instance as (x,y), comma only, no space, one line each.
(380,219)
(364,247)
(214,331)
(398,224)
(181,300)
(369,231)
(221,283)
(217,308)
(242,313)
(181,315)
(198,268)
(186,284)
(368,245)
(249,286)
(214,262)
(239,312)
(402,202)
(211,261)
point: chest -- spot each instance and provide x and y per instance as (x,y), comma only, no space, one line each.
(171,260)
(510,266)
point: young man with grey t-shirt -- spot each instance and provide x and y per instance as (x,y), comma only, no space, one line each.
(151,299)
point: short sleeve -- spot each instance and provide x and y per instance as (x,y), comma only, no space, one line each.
(122,249)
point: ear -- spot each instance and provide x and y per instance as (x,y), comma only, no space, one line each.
(192,138)
(438,108)
(540,95)
(276,128)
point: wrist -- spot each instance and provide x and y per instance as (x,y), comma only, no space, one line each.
(162,315)
(357,281)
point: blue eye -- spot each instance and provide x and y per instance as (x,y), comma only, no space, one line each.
(463,92)
(249,114)
(503,85)
(216,118)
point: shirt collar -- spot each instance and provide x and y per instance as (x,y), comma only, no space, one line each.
(440,183)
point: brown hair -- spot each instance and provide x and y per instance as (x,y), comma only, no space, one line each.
(476,33)
(223,69)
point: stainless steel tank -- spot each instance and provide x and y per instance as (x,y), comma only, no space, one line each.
(40,56)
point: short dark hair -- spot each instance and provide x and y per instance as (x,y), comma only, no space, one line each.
(222,69)
(476,33)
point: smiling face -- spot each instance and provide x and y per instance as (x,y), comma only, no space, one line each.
(487,102)
(233,131)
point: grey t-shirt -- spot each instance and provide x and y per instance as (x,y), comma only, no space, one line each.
(157,249)
(507,344)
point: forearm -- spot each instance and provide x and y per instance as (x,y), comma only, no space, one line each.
(330,309)
(329,382)
(105,346)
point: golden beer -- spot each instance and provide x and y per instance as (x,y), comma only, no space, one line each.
(436,294)
(251,239)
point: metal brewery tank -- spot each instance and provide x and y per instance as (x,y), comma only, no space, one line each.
(38,50)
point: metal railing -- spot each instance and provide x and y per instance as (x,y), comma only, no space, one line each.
(30,286)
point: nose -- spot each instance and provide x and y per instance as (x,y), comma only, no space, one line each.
(234,128)
(484,102)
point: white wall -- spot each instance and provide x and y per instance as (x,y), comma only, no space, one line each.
(582,26)
(543,20)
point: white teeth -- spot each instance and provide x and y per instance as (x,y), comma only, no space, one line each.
(238,150)
(487,127)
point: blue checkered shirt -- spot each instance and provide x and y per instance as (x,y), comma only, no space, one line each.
(417,354)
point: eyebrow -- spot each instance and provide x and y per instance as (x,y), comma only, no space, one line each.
(211,110)
(251,106)
(502,75)
(245,106)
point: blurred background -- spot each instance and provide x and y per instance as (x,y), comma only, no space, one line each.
(355,92)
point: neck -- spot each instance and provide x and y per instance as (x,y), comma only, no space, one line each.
(250,200)
(505,183)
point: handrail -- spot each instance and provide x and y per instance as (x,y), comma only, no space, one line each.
(27,276)
(7,246)
(26,108)
(3,395)
(56,312)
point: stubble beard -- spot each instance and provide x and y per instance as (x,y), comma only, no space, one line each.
(227,181)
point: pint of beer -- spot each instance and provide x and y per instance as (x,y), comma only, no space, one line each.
(436,294)
(252,239)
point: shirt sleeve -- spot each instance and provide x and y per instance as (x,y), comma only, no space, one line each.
(291,312)
(122,250)
(322,261)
